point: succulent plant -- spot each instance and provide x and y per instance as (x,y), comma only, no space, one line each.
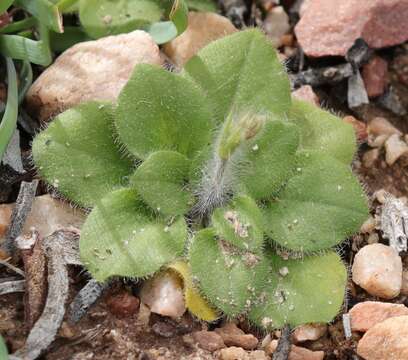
(219,168)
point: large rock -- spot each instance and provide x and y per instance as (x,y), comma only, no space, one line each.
(377,268)
(330,27)
(202,29)
(386,340)
(46,216)
(366,314)
(92,70)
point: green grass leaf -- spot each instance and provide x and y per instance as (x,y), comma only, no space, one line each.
(122,238)
(9,121)
(159,110)
(45,11)
(72,35)
(241,73)
(3,349)
(320,207)
(109,17)
(21,48)
(202,5)
(78,155)
(160,181)
(312,291)
(5,4)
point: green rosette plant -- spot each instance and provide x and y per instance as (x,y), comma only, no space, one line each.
(216,166)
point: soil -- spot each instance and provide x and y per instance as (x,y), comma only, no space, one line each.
(102,335)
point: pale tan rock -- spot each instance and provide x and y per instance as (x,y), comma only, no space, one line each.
(370,157)
(380,195)
(258,355)
(46,216)
(276,25)
(366,314)
(368,225)
(234,336)
(373,238)
(377,268)
(377,141)
(91,70)
(208,340)
(202,29)
(387,340)
(404,286)
(163,294)
(234,353)
(306,93)
(394,149)
(309,332)
(296,352)
(381,126)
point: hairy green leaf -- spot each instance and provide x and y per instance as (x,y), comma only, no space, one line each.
(240,224)
(161,182)
(300,291)
(321,205)
(121,237)
(78,155)
(231,279)
(159,110)
(268,160)
(320,130)
(241,73)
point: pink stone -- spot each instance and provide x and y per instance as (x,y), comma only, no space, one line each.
(377,268)
(386,340)
(306,93)
(309,332)
(296,352)
(375,76)
(330,27)
(369,313)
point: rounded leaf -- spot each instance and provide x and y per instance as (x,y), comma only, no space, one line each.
(160,110)
(122,238)
(240,224)
(231,279)
(161,182)
(109,17)
(77,154)
(241,72)
(301,291)
(320,207)
(322,131)
(268,160)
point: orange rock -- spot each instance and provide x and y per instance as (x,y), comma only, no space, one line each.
(386,340)
(202,29)
(208,340)
(366,314)
(306,93)
(234,336)
(360,128)
(123,304)
(296,352)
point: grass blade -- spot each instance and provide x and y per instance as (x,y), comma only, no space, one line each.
(45,11)
(71,36)
(5,4)
(21,48)
(26,79)
(9,120)
(18,26)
